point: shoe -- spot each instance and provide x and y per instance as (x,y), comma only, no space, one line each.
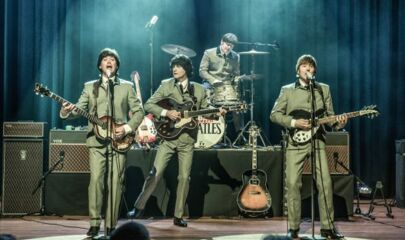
(109,231)
(135,213)
(93,231)
(293,233)
(179,222)
(331,234)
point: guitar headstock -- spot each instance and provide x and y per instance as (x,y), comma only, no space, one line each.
(238,108)
(370,111)
(135,76)
(39,89)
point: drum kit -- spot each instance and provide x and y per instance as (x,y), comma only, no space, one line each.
(228,93)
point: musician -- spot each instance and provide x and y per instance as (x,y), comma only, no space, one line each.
(296,96)
(180,89)
(221,65)
(95,100)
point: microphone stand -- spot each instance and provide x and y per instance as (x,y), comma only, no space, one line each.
(108,188)
(312,155)
(42,183)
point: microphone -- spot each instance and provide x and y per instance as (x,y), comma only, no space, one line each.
(335,157)
(152,21)
(310,76)
(61,157)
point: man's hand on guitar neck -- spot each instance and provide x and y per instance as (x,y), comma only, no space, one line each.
(66,109)
(222,111)
(341,120)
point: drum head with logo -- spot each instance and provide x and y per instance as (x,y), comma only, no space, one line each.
(210,131)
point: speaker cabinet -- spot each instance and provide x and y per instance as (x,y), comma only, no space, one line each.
(73,144)
(22,169)
(24,129)
(67,193)
(337,149)
(400,173)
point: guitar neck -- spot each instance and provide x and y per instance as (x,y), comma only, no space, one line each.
(333,119)
(80,111)
(254,155)
(138,90)
(188,114)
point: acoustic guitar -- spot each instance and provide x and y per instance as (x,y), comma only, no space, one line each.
(254,197)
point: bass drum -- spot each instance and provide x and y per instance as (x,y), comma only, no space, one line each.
(210,132)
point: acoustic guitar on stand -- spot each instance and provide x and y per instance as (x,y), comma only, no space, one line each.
(254,198)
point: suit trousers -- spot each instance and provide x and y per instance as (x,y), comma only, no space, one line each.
(295,158)
(98,171)
(184,147)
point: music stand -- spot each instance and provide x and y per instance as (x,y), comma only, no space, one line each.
(251,124)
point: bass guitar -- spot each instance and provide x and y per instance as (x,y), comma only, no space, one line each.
(170,129)
(300,136)
(146,132)
(104,128)
(254,197)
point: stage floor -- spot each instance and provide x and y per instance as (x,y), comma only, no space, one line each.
(75,227)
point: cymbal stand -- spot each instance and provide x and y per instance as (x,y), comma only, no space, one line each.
(251,124)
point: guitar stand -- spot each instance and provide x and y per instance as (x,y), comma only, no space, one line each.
(378,187)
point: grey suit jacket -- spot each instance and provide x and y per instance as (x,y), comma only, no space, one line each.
(215,67)
(125,100)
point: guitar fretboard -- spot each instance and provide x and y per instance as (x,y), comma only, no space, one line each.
(332,119)
(80,111)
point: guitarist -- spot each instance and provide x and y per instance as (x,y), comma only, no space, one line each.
(94,99)
(296,96)
(181,90)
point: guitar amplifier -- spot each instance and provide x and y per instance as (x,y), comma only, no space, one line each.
(73,143)
(24,129)
(337,149)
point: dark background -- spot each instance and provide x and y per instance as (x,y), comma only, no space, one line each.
(358,45)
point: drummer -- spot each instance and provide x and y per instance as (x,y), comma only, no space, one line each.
(220,65)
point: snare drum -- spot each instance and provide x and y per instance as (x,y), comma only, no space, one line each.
(226,94)
(210,131)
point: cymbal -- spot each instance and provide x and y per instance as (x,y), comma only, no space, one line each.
(177,49)
(253,52)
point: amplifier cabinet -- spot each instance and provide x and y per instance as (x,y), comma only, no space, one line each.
(22,169)
(73,144)
(24,129)
(337,148)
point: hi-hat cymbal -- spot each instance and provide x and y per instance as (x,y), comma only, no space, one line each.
(253,52)
(177,49)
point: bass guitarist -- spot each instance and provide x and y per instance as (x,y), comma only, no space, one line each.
(181,90)
(296,98)
(94,99)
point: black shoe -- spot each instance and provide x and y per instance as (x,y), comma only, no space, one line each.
(109,231)
(135,213)
(93,231)
(293,233)
(179,222)
(331,234)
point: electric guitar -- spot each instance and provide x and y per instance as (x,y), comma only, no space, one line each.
(102,126)
(146,132)
(170,129)
(300,136)
(254,197)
